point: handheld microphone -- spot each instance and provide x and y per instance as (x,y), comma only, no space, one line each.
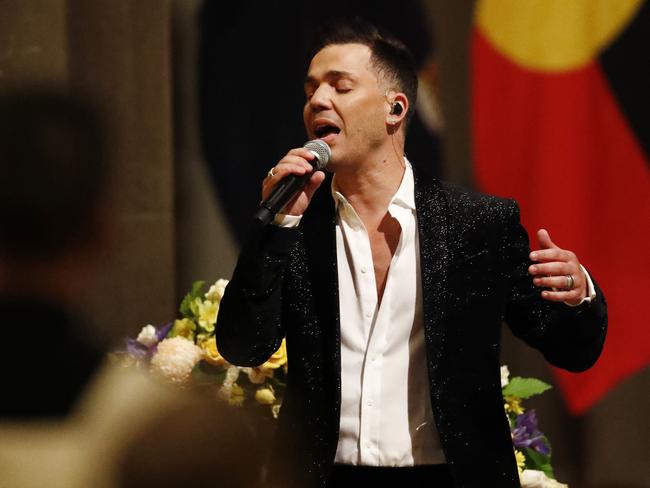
(289,187)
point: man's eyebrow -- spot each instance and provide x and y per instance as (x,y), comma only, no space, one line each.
(330,75)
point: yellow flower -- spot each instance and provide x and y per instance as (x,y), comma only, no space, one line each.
(206,312)
(236,396)
(265,396)
(513,404)
(211,353)
(183,328)
(278,359)
(521,460)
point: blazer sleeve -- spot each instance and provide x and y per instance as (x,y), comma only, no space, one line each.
(570,338)
(249,326)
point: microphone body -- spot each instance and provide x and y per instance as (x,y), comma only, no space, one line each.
(291,185)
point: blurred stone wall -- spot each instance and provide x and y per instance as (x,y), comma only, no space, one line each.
(118,52)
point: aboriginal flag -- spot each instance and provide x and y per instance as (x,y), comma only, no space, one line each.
(560,122)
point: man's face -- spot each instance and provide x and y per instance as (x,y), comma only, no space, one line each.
(346,103)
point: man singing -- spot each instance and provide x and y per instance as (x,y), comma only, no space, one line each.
(391,289)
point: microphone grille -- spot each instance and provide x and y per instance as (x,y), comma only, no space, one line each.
(322,152)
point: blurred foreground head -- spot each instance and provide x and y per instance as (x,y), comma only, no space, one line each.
(54,169)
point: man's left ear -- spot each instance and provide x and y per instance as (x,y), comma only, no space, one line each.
(398,108)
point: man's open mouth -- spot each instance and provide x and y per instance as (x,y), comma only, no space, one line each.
(324,130)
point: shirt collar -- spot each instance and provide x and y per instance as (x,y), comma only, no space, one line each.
(404,196)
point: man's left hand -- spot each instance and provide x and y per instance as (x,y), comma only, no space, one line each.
(559,270)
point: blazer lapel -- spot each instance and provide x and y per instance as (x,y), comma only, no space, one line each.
(432,216)
(319,233)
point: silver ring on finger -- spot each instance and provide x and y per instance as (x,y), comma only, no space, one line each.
(570,283)
(271,172)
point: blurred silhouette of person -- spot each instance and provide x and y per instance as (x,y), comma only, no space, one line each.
(69,418)
(198,443)
(54,227)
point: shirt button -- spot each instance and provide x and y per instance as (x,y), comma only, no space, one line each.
(364,269)
(368,315)
(370,403)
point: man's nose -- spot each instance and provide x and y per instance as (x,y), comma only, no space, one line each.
(321,99)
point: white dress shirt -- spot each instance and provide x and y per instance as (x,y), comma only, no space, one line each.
(386,417)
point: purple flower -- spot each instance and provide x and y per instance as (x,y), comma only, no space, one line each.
(163,331)
(135,349)
(145,347)
(526,434)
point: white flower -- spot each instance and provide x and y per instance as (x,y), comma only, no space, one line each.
(224,391)
(232,374)
(232,393)
(531,478)
(505,374)
(175,359)
(147,336)
(216,291)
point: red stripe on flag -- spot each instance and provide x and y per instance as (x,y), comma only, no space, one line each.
(559,144)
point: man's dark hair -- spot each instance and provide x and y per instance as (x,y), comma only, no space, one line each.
(389,56)
(53,168)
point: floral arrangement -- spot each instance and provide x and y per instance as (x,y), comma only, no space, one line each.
(532,448)
(184,352)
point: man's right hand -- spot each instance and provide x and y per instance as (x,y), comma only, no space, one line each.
(295,162)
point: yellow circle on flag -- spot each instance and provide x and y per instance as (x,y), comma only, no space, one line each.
(553,34)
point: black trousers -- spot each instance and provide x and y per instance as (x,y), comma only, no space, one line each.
(429,476)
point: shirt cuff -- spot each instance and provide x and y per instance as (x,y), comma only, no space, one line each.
(287,221)
(591,291)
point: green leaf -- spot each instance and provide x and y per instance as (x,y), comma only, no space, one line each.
(525,387)
(196,291)
(541,462)
(277,384)
(206,374)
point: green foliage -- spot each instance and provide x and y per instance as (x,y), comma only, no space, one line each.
(538,461)
(206,374)
(195,292)
(277,383)
(525,387)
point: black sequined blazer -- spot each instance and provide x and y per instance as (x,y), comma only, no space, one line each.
(474,260)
